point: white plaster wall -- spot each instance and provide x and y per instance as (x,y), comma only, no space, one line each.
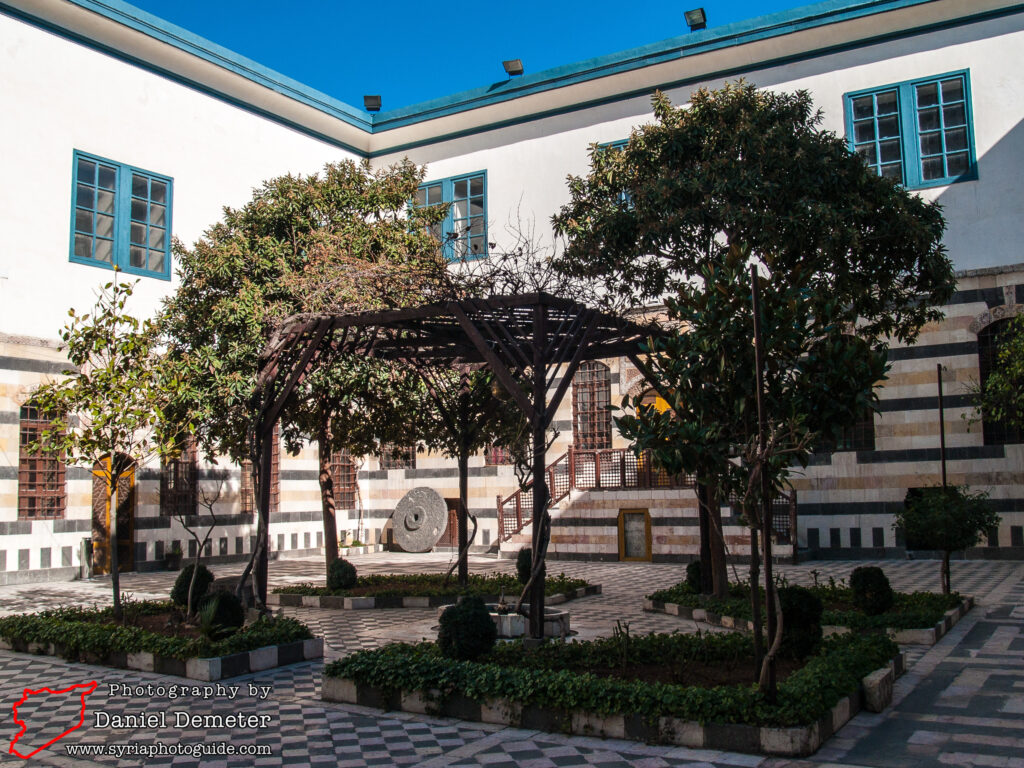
(58,96)
(527,163)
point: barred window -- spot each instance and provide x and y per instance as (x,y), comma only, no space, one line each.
(275,471)
(591,419)
(343,473)
(41,476)
(246,492)
(398,457)
(178,481)
(859,437)
(990,339)
(247,488)
(495,455)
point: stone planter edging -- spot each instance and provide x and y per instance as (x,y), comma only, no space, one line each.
(366,549)
(922,636)
(423,601)
(874,694)
(207,670)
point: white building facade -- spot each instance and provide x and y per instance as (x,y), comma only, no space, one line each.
(122,131)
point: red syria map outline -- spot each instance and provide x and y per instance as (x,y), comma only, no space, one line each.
(89,688)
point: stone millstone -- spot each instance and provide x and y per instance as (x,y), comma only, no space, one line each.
(420,518)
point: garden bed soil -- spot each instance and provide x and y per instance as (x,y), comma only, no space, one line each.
(874,694)
(157,626)
(697,674)
(906,636)
(400,591)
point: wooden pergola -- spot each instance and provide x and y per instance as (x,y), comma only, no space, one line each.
(526,340)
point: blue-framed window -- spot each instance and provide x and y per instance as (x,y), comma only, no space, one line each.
(120,216)
(919,132)
(619,144)
(464,230)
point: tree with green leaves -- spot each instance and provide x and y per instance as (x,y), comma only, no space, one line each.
(343,240)
(468,415)
(1001,399)
(110,414)
(947,519)
(846,262)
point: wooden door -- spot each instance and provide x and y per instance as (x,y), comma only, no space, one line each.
(450,537)
(126,499)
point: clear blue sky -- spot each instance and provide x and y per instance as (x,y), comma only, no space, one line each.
(414,51)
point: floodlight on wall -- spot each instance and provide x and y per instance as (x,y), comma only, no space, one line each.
(371,103)
(696,19)
(513,67)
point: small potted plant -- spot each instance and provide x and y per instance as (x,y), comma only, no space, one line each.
(172,560)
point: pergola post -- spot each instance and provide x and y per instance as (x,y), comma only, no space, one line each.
(540,485)
(264,436)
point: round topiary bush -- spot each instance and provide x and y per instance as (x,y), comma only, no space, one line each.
(179,592)
(467,630)
(871,590)
(221,613)
(341,575)
(694,579)
(524,564)
(801,622)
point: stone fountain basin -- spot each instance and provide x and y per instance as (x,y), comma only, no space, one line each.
(509,625)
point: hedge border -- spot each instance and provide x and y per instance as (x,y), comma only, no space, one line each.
(921,636)
(874,694)
(338,602)
(205,669)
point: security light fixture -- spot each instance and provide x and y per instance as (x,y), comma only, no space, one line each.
(371,103)
(696,19)
(513,67)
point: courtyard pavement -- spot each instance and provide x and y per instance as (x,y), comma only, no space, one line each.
(961,703)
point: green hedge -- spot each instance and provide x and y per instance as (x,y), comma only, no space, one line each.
(554,677)
(914,610)
(77,631)
(432,584)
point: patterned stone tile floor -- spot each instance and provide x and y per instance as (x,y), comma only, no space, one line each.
(962,703)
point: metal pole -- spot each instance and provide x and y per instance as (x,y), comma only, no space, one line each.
(766,510)
(942,426)
(540,486)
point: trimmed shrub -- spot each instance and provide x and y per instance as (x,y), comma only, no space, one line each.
(467,630)
(524,564)
(341,575)
(801,622)
(694,577)
(871,590)
(220,614)
(179,592)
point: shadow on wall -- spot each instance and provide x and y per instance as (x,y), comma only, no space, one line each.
(983,216)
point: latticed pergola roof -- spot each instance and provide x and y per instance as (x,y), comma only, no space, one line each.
(508,333)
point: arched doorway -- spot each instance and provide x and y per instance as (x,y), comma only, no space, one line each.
(126,501)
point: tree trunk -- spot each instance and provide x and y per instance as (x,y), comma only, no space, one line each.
(706,581)
(716,542)
(755,599)
(189,608)
(327,503)
(115,576)
(463,517)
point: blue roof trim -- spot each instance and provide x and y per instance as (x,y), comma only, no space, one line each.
(736,34)
(647,92)
(729,35)
(178,37)
(187,82)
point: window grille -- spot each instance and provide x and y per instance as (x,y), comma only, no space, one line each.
(398,457)
(41,475)
(343,473)
(591,419)
(990,339)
